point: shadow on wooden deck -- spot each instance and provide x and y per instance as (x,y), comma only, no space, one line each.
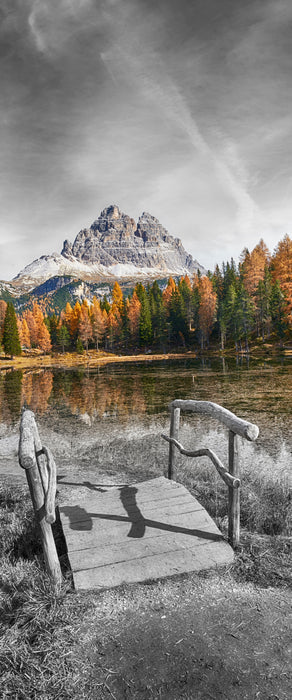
(170,532)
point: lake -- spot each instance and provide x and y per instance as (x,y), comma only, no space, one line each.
(105,424)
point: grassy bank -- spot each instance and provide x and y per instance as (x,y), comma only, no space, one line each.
(92,358)
(224,634)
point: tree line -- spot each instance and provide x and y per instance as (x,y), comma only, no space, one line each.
(230,306)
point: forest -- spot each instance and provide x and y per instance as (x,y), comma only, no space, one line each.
(229,307)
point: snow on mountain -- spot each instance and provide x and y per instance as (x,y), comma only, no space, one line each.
(114,247)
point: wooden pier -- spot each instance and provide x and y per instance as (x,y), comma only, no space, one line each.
(148,530)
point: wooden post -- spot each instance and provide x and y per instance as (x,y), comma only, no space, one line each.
(174,431)
(29,461)
(234,494)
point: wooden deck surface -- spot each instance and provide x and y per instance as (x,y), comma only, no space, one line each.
(148,530)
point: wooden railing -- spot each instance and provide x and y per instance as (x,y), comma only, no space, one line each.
(40,469)
(230,476)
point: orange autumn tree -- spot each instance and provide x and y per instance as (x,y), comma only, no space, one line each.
(73,321)
(168,292)
(117,299)
(24,334)
(207,307)
(282,269)
(98,321)
(85,327)
(253,266)
(134,310)
(44,338)
(38,332)
(67,314)
(113,327)
(32,327)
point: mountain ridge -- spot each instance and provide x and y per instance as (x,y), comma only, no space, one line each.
(114,247)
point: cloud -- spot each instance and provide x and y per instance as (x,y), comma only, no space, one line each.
(157,88)
(54,22)
(179,109)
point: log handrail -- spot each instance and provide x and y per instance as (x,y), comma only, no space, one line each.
(237,426)
(247,430)
(206,452)
(41,474)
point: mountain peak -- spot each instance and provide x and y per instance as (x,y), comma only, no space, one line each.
(111,212)
(115,247)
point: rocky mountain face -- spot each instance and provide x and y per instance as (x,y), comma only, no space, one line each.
(115,238)
(114,247)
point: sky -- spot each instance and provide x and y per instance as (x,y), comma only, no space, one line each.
(181,108)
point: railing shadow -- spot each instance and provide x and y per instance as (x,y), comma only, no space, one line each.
(102,488)
(82,520)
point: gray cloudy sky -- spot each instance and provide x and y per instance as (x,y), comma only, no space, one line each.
(181,108)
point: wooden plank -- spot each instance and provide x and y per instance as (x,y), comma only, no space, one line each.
(153,493)
(187,516)
(157,484)
(124,551)
(132,549)
(87,510)
(153,567)
(76,517)
(117,531)
(156,529)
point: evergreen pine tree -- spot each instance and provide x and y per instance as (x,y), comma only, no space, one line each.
(178,318)
(263,303)
(278,307)
(52,326)
(11,342)
(63,336)
(158,314)
(145,326)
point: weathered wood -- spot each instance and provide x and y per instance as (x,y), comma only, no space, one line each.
(236,427)
(166,507)
(247,430)
(234,496)
(152,567)
(50,493)
(29,449)
(206,452)
(112,540)
(174,431)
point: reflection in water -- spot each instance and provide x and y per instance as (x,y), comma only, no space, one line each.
(124,410)
(36,390)
(262,392)
(12,394)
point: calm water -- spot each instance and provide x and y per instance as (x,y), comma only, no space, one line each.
(94,418)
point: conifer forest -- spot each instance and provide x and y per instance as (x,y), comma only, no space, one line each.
(226,308)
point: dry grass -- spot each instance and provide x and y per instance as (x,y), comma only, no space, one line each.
(92,358)
(38,628)
(158,640)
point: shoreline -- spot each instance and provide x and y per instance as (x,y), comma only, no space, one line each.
(87,360)
(94,358)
